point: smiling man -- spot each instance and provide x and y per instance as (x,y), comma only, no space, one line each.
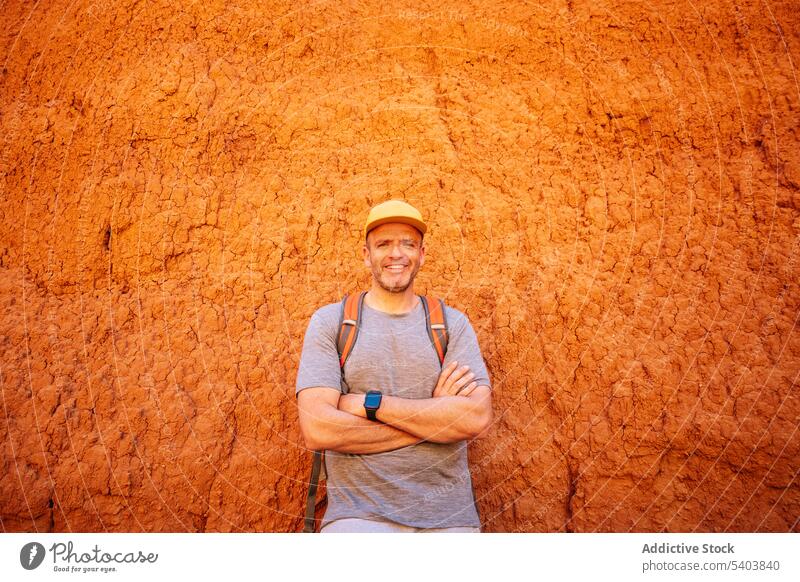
(394,418)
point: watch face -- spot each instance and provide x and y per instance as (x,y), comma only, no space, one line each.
(372,400)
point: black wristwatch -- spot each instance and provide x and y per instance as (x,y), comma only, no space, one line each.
(372,402)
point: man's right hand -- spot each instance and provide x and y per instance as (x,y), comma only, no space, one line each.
(455,381)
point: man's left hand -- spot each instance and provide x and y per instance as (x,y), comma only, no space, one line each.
(455,381)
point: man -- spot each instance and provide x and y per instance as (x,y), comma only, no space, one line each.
(407,469)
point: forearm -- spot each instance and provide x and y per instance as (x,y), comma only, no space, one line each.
(440,420)
(443,419)
(347,433)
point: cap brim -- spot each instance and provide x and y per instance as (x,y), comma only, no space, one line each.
(419,225)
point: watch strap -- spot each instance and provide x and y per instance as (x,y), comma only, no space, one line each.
(372,412)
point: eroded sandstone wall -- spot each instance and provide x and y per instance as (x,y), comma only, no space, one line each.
(614,193)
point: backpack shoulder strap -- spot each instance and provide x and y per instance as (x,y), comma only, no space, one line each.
(436,324)
(349,323)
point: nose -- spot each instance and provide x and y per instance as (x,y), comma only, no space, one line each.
(396,250)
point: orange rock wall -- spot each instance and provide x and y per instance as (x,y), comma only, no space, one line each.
(614,194)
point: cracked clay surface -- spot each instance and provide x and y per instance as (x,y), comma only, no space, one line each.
(613,191)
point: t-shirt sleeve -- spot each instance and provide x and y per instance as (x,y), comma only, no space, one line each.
(319,360)
(463,347)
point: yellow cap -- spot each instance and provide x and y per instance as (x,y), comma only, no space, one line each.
(394,211)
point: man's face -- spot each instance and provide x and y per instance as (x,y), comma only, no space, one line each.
(394,252)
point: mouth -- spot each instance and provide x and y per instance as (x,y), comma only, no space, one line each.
(395,268)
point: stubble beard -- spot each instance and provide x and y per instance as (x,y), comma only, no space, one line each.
(378,276)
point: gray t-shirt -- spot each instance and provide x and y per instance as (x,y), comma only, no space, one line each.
(424,485)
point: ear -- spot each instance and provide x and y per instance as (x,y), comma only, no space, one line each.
(365,253)
(422,254)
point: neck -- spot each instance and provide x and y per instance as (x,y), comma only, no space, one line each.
(382,300)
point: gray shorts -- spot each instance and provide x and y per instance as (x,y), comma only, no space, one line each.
(354,525)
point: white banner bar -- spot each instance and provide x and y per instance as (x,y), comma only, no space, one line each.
(445,557)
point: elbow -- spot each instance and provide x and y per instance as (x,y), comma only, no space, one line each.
(312,444)
(317,417)
(314,438)
(482,414)
(483,423)
(476,425)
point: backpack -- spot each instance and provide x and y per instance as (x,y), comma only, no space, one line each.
(349,324)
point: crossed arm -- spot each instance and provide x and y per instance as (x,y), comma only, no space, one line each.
(458,410)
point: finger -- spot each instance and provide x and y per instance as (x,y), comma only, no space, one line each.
(455,376)
(459,384)
(463,381)
(441,384)
(467,390)
(445,374)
